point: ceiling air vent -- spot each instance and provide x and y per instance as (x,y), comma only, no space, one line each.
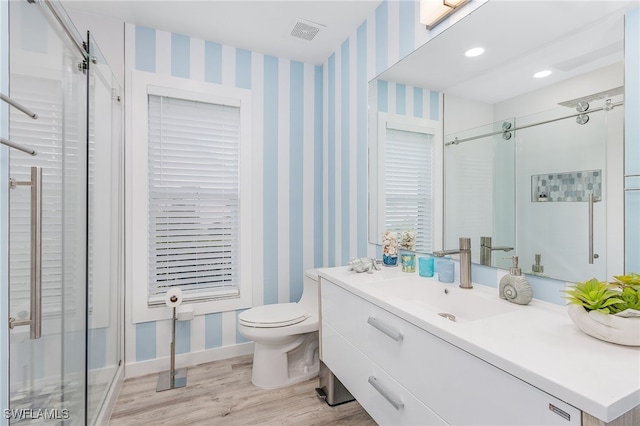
(306,30)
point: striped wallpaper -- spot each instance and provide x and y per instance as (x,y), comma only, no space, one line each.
(402,99)
(310,132)
(287,98)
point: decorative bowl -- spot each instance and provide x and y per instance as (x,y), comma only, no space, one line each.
(607,327)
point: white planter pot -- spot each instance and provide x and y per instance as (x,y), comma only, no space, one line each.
(610,328)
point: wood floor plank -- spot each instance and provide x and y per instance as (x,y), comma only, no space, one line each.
(221,393)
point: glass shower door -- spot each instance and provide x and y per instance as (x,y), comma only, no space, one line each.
(105,232)
(47,372)
(560,164)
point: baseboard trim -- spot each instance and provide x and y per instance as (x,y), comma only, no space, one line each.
(142,368)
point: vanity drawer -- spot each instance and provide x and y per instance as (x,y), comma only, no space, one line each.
(385,399)
(339,309)
(460,387)
(447,378)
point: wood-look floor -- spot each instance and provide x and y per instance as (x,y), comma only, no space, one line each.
(221,393)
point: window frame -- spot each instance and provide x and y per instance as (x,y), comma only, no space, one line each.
(142,85)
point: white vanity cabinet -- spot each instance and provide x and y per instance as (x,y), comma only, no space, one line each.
(401,374)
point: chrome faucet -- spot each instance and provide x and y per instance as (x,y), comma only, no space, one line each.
(465,261)
(486,248)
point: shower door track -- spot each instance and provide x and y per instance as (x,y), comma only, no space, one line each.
(456,141)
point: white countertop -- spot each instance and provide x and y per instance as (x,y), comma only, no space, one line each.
(537,343)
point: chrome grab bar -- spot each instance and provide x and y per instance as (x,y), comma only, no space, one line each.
(396,402)
(385,329)
(18,106)
(35,319)
(17,146)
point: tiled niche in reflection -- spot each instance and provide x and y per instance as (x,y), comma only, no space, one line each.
(566,187)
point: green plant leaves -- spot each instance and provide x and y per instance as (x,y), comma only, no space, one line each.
(631,300)
(631,279)
(595,295)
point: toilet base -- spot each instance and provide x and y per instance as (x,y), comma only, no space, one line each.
(284,364)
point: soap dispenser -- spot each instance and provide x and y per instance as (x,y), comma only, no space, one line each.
(514,287)
(537,267)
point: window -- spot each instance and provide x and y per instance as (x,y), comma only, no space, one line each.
(407,181)
(194,151)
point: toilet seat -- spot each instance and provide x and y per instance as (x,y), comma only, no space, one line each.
(272,316)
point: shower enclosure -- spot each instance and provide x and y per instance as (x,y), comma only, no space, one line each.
(543,184)
(61,219)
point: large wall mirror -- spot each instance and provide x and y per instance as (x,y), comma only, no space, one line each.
(524,166)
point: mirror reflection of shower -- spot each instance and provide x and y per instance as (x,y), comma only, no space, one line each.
(538,183)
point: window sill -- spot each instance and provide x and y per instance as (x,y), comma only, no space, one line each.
(201,307)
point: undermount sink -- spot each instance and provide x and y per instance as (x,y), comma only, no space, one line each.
(447,300)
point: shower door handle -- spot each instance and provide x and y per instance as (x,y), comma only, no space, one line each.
(592,255)
(35,320)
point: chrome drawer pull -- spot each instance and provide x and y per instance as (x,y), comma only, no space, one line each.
(396,402)
(395,335)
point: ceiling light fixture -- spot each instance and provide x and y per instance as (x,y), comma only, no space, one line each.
(542,74)
(472,53)
(432,12)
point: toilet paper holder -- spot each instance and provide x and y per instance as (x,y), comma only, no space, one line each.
(173,378)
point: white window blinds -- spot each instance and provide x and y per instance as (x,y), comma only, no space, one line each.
(409,185)
(193,198)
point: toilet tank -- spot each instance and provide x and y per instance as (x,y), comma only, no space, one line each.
(309,297)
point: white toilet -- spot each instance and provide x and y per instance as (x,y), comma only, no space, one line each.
(286,338)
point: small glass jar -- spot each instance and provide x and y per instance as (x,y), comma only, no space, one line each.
(408,262)
(390,260)
(426,266)
(446,271)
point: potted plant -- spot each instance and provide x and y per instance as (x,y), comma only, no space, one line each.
(607,311)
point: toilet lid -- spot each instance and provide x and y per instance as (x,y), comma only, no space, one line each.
(275,315)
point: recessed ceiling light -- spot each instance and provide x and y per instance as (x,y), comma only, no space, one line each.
(542,74)
(476,51)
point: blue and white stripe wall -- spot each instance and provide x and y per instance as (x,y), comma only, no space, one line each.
(391,33)
(402,99)
(288,169)
(383,39)
(310,133)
